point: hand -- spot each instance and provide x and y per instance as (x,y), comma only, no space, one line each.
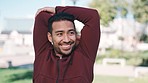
(47,9)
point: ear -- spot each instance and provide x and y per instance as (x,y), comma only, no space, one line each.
(49,37)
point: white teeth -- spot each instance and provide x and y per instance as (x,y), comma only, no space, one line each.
(65,46)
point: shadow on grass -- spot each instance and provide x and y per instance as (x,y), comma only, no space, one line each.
(21,76)
(21,72)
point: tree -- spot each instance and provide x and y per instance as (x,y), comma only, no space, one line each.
(140,8)
(108,9)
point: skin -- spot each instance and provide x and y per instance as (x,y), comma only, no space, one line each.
(68,41)
(47,9)
(63,37)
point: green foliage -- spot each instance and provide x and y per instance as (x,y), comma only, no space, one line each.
(144,38)
(140,10)
(108,9)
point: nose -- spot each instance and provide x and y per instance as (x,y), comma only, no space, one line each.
(66,38)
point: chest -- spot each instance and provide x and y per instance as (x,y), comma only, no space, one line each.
(73,69)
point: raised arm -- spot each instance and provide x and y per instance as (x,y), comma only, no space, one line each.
(90,34)
(40,39)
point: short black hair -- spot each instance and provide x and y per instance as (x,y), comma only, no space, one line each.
(59,17)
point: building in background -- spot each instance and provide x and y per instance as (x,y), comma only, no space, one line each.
(16,36)
(19,30)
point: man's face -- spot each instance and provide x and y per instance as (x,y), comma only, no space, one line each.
(63,37)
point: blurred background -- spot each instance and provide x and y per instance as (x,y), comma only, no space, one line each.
(123,52)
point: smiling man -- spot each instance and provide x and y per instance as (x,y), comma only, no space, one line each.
(61,56)
(62,33)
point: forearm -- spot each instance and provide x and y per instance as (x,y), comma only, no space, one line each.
(90,34)
(81,14)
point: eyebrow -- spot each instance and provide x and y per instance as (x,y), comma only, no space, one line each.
(63,31)
(59,31)
(71,30)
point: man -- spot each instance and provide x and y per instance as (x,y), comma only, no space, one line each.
(61,56)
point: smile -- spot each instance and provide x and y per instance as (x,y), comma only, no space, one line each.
(66,47)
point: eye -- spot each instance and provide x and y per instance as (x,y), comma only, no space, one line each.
(59,34)
(72,33)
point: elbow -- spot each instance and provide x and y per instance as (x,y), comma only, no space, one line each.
(95,14)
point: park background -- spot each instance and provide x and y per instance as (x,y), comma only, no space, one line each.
(123,52)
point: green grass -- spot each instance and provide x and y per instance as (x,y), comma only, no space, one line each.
(15,75)
(115,79)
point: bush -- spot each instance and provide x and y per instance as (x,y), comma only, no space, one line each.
(132,58)
(144,38)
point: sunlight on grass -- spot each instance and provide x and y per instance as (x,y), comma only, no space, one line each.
(15,75)
(115,79)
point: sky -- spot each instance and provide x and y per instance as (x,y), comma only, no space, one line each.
(28,8)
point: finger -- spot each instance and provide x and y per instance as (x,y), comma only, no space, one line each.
(39,10)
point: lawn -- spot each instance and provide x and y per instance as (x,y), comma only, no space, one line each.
(14,75)
(115,79)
